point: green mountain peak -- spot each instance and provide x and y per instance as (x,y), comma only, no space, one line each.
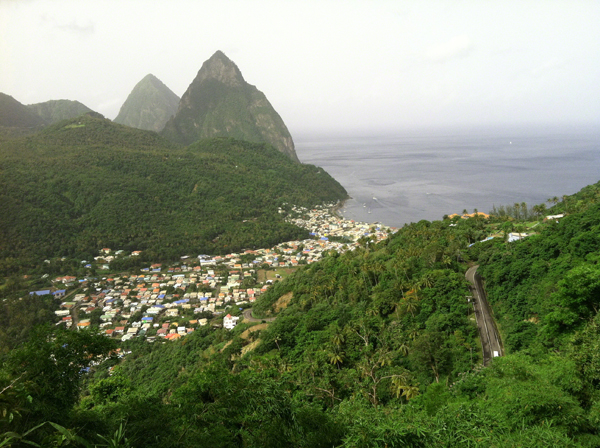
(16,115)
(220,103)
(54,111)
(149,105)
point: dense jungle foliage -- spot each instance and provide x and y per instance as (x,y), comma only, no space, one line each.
(88,183)
(375,347)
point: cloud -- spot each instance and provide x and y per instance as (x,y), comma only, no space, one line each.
(109,107)
(549,66)
(457,47)
(74,27)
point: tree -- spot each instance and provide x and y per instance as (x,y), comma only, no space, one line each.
(51,364)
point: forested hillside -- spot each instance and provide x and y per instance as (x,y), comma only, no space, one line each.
(88,183)
(375,347)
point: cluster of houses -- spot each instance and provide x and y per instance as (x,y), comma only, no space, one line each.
(172,301)
(168,304)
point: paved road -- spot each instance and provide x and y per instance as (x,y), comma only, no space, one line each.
(490,339)
(248,316)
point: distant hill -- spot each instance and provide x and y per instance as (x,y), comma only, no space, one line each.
(219,102)
(54,111)
(89,183)
(149,105)
(13,114)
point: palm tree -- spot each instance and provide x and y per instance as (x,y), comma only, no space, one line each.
(403,348)
(337,339)
(336,358)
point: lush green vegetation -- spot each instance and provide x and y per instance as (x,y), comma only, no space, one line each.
(88,183)
(376,347)
(546,286)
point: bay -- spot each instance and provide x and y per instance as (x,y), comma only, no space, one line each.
(413,175)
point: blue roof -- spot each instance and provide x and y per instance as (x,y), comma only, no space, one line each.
(324,238)
(148,319)
(161,296)
(40,293)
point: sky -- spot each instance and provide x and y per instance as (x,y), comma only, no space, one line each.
(326,66)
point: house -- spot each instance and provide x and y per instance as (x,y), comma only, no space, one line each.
(230,321)
(41,293)
(173,336)
(516,236)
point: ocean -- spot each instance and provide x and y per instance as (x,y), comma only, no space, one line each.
(410,176)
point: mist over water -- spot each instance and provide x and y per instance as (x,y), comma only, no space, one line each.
(407,177)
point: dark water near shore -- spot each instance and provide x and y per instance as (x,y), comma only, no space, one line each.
(410,176)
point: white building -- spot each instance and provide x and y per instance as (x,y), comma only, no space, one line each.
(230,321)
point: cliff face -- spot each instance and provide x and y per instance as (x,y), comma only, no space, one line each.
(149,105)
(220,103)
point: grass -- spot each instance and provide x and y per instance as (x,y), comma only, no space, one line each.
(263,275)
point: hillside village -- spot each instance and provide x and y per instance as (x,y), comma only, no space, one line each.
(172,301)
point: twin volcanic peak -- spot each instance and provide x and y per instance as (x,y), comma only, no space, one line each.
(149,105)
(220,103)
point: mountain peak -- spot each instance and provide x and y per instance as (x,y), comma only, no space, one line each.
(220,103)
(149,105)
(54,111)
(15,114)
(222,69)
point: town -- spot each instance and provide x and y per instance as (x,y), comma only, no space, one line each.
(172,301)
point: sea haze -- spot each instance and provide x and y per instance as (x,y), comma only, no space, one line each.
(410,176)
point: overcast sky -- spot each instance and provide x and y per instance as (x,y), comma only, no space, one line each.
(324,65)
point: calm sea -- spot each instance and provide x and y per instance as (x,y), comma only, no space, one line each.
(410,176)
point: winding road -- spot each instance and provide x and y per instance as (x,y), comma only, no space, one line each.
(488,333)
(248,316)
